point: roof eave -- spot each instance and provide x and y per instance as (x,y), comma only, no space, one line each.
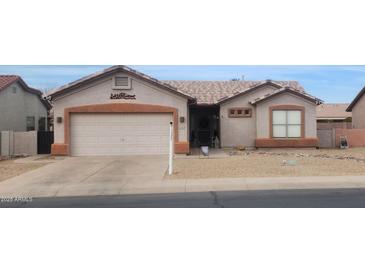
(357,98)
(314,100)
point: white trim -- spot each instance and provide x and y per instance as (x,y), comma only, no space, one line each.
(332,118)
(171,148)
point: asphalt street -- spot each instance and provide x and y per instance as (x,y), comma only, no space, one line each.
(325,198)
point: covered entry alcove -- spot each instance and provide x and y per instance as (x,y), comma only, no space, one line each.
(204,125)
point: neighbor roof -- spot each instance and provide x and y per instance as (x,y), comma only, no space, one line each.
(7,80)
(109,71)
(290,90)
(214,92)
(357,98)
(333,111)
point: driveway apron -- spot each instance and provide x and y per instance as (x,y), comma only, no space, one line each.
(86,176)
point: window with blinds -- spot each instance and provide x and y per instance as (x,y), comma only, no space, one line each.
(287,124)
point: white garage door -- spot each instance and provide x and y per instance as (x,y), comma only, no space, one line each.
(119,134)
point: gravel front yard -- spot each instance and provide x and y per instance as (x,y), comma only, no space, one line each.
(271,164)
(8,168)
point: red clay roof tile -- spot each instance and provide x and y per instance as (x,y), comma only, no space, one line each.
(7,80)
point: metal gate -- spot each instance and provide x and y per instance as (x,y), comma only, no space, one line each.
(44,142)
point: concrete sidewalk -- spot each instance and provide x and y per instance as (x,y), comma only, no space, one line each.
(271,183)
(232,184)
(142,186)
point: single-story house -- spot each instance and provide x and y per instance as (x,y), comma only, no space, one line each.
(331,116)
(357,107)
(120,111)
(22,108)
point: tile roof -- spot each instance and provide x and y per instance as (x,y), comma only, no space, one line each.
(287,89)
(212,92)
(7,80)
(204,92)
(333,111)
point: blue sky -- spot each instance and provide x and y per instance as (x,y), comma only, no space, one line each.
(333,84)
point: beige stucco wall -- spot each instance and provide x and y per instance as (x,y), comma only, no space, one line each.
(15,107)
(99,93)
(240,131)
(25,143)
(263,114)
(358,114)
(18,143)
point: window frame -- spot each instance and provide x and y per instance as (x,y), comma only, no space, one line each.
(287,109)
(26,121)
(242,110)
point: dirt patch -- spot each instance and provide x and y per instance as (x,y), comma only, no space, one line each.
(273,163)
(342,154)
(8,168)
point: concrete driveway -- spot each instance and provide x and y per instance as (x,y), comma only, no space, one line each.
(78,176)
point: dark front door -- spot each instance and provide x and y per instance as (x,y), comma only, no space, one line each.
(45,140)
(204,131)
(203,125)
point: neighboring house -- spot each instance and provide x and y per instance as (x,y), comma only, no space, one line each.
(331,116)
(121,111)
(22,108)
(357,107)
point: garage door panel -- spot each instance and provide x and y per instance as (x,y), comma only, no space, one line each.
(111,150)
(119,134)
(84,140)
(127,140)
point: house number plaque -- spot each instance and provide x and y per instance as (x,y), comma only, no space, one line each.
(122,95)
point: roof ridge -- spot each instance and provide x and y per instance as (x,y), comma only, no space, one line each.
(235,81)
(9,75)
(263,80)
(195,80)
